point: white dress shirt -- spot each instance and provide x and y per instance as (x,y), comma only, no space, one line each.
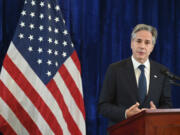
(138,71)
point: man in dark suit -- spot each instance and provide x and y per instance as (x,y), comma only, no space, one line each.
(136,83)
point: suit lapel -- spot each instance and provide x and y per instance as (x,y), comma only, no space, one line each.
(152,84)
(131,79)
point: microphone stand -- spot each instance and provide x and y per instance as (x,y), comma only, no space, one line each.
(174,83)
(172,78)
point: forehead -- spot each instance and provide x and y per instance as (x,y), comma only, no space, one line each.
(144,34)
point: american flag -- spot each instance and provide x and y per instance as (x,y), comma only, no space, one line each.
(40,80)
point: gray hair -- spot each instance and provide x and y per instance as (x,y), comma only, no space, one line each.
(149,28)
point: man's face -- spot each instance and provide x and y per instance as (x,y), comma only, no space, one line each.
(142,46)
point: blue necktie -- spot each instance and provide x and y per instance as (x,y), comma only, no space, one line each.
(142,85)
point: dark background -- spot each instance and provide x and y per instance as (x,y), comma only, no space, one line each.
(100,30)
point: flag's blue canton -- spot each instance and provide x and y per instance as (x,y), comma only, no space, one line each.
(41,37)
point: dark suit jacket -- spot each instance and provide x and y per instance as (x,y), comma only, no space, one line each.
(120,90)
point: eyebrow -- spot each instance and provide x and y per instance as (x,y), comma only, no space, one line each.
(145,39)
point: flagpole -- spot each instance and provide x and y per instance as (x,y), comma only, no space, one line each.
(4,20)
(4,41)
(4,32)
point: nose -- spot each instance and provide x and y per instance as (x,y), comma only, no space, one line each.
(142,45)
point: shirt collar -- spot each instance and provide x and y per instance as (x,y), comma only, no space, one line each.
(136,63)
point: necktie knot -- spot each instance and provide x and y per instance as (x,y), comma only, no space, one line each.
(141,67)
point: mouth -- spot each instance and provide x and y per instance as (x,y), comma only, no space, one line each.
(141,53)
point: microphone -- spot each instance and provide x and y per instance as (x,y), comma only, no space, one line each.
(170,75)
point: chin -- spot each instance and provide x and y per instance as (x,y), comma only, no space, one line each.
(141,60)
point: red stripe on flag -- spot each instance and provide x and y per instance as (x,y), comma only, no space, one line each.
(73,128)
(21,114)
(5,128)
(72,88)
(76,61)
(32,95)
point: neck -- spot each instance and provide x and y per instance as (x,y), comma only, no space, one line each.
(142,61)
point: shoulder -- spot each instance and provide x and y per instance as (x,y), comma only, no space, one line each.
(118,67)
(157,68)
(120,64)
(157,65)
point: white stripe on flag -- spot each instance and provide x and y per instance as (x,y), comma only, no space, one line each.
(38,85)
(72,69)
(69,101)
(25,102)
(11,118)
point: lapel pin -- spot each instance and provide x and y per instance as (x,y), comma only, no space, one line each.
(155,76)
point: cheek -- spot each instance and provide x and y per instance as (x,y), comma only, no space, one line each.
(150,50)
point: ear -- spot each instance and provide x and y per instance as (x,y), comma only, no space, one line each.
(152,48)
(131,43)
